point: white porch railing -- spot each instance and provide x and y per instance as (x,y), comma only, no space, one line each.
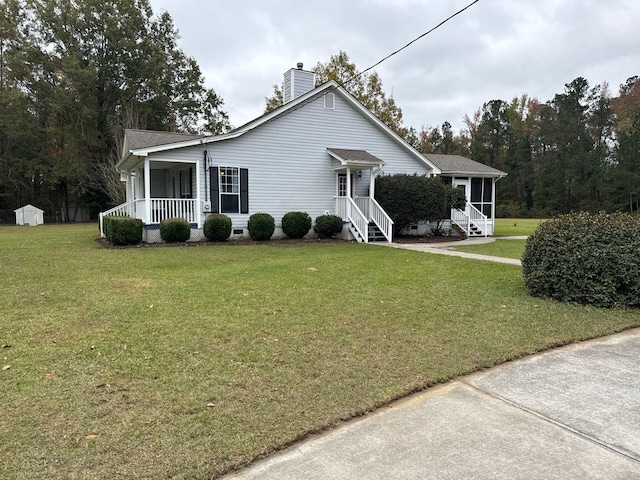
(128,209)
(360,212)
(347,209)
(467,221)
(375,213)
(160,208)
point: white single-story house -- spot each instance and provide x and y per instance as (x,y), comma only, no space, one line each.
(318,153)
(29,215)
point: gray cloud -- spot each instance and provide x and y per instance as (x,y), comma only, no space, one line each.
(496,49)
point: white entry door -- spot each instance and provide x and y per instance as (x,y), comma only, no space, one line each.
(465,186)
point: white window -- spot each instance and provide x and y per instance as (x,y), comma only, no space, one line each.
(342,185)
(229,189)
(185,183)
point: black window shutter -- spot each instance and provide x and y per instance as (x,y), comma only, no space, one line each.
(244,190)
(214,189)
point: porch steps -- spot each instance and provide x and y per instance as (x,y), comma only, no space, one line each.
(375,234)
(474,231)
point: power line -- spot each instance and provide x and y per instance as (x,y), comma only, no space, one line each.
(412,41)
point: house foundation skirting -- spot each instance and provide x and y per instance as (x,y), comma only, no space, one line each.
(151,234)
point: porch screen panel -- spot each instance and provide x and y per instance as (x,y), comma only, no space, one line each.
(486,194)
(214,189)
(476,190)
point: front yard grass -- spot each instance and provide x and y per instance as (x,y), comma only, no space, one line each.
(498,248)
(515,226)
(186,362)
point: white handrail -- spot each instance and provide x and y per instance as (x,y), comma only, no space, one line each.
(381,219)
(475,217)
(358,219)
(127,209)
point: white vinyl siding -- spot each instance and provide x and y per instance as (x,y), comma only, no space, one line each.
(290,169)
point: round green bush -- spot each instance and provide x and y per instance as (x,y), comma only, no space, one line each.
(296,224)
(585,258)
(217,227)
(327,226)
(175,230)
(261,226)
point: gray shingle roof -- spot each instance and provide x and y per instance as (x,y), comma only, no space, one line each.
(450,164)
(356,156)
(135,139)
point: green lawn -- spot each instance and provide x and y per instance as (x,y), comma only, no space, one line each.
(187,362)
(498,248)
(515,226)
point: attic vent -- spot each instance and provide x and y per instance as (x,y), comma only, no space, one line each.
(330,101)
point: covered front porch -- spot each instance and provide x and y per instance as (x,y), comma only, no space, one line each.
(159,190)
(355,173)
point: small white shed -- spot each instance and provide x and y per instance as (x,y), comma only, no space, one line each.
(29,215)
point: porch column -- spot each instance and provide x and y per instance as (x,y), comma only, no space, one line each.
(198,196)
(372,183)
(147,191)
(348,191)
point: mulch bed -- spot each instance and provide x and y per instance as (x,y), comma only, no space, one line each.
(277,241)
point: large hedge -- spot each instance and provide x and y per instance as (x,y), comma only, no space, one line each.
(591,259)
(410,199)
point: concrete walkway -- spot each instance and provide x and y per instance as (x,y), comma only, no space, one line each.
(447,248)
(570,413)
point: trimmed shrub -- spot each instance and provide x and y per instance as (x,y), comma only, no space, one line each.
(585,258)
(327,226)
(261,226)
(217,227)
(175,230)
(296,224)
(122,230)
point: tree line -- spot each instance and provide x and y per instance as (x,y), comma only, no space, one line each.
(579,151)
(74,74)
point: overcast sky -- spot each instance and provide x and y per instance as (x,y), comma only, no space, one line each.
(497,49)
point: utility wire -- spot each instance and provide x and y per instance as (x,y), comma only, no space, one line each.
(412,41)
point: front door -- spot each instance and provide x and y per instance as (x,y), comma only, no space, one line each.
(342,185)
(464,185)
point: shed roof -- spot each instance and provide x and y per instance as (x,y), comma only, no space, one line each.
(28,207)
(450,164)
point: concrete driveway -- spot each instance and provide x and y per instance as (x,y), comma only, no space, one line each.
(570,413)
